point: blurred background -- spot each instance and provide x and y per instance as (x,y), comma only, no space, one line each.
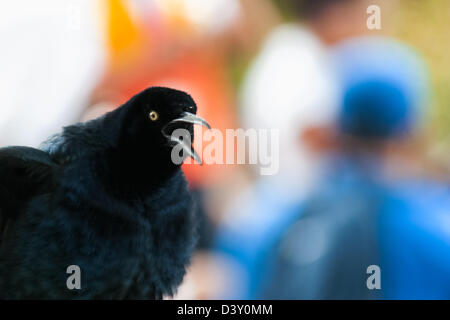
(359,91)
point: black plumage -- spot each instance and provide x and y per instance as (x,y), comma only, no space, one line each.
(104,195)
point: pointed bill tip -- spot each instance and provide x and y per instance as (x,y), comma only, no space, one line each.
(196,157)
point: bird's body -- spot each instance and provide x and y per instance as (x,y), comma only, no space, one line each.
(104,196)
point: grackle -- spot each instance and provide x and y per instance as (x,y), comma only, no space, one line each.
(104,196)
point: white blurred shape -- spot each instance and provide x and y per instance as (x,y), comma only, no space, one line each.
(290,87)
(215,15)
(211,16)
(52,55)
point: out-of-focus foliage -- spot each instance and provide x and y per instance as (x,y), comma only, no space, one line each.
(426,26)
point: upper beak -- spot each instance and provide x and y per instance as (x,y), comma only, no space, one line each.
(187,117)
(191,118)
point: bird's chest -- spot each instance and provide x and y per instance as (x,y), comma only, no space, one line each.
(152,260)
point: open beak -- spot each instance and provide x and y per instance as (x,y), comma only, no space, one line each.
(191,118)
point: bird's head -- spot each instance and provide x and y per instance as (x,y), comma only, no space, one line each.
(155,113)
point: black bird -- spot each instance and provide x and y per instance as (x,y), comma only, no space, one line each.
(105,196)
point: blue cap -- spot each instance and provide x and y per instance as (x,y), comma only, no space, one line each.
(384,86)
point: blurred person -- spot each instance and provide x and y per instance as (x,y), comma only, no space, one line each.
(292,74)
(289,87)
(362,214)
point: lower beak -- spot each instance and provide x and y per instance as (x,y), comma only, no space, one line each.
(191,118)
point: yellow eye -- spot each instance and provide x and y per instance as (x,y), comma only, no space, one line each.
(153,115)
